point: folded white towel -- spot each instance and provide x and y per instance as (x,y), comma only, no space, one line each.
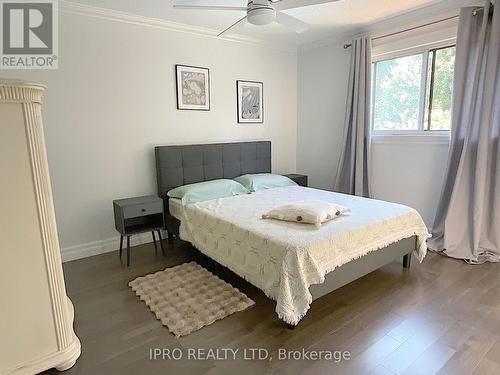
(307,212)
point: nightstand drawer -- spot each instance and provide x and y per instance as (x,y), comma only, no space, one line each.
(143,209)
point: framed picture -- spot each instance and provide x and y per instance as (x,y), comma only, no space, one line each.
(250,102)
(193,88)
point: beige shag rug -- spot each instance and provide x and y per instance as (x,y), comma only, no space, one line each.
(187,297)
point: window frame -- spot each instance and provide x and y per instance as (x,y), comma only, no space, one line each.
(425,50)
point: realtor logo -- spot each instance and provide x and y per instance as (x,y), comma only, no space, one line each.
(28,34)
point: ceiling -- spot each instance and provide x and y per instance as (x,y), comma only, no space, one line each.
(326,20)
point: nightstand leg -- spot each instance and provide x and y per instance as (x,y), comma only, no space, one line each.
(407,261)
(154,241)
(121,245)
(161,243)
(128,251)
(170,237)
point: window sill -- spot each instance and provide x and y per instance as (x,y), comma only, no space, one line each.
(413,138)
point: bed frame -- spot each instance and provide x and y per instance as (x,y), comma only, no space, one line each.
(187,164)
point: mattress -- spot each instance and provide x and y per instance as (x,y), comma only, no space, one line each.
(284,258)
(175,208)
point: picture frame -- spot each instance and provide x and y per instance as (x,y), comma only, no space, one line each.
(192,87)
(250,102)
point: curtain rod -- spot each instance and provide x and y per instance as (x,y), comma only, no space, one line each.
(474,12)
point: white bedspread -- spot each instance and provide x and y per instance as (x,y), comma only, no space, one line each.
(175,208)
(282,258)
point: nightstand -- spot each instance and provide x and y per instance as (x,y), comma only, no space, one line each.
(299,179)
(138,215)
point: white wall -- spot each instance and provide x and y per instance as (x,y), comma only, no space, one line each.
(322,91)
(410,170)
(405,170)
(113,99)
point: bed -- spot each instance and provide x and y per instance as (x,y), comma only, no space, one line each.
(292,263)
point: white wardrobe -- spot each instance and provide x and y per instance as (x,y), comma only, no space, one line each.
(36,316)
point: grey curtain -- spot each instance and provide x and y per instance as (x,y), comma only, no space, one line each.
(353,173)
(467,224)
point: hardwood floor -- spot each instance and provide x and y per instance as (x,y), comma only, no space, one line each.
(440,317)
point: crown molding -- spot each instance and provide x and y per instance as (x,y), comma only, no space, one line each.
(18,91)
(329,41)
(71,7)
(429,12)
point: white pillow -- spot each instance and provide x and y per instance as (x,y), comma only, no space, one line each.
(307,211)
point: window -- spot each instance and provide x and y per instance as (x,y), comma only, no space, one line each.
(413,93)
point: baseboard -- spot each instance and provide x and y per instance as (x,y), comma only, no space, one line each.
(103,246)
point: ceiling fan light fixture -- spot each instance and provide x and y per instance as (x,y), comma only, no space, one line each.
(261,16)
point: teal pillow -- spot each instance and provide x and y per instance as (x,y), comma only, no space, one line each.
(259,181)
(207,190)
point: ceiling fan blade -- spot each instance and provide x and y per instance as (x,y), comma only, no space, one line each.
(289,4)
(240,5)
(291,22)
(237,23)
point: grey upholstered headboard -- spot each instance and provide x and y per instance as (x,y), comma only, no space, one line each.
(181,165)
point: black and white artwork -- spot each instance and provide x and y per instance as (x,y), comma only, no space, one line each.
(250,102)
(193,88)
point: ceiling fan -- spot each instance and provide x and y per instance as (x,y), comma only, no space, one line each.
(259,12)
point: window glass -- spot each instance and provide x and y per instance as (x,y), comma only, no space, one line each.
(440,89)
(414,92)
(397,93)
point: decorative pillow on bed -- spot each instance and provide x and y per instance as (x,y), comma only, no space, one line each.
(307,212)
(207,190)
(259,181)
